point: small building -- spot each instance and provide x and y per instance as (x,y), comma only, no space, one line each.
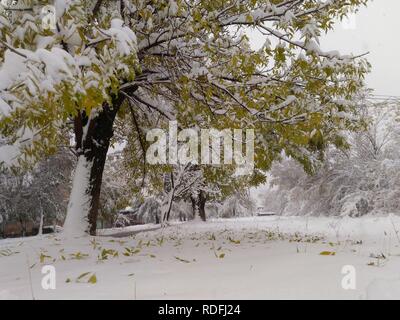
(263,212)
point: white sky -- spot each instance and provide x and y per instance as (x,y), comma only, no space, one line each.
(377,30)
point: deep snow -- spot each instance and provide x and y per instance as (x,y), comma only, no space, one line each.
(247,258)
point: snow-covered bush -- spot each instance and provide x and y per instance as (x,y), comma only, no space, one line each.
(365,179)
(213,209)
(115,192)
(237,205)
(150,210)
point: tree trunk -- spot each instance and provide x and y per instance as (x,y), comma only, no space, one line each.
(202,205)
(40,232)
(3,229)
(171,197)
(193,201)
(23,228)
(166,210)
(93,135)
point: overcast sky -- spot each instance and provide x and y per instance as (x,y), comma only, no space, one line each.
(377,29)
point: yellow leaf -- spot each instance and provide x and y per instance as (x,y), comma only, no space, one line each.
(327,253)
(92,279)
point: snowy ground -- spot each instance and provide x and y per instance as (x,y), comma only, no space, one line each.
(249,258)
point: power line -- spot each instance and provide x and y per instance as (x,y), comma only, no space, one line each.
(383,98)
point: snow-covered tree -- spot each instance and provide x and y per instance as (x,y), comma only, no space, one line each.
(39,195)
(360,180)
(184,183)
(184,60)
(239,204)
(116,192)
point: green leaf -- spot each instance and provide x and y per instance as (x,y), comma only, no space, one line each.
(79,255)
(43,257)
(327,253)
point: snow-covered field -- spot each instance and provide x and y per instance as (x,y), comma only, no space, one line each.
(248,258)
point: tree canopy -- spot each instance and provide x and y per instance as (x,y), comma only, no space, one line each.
(104,62)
